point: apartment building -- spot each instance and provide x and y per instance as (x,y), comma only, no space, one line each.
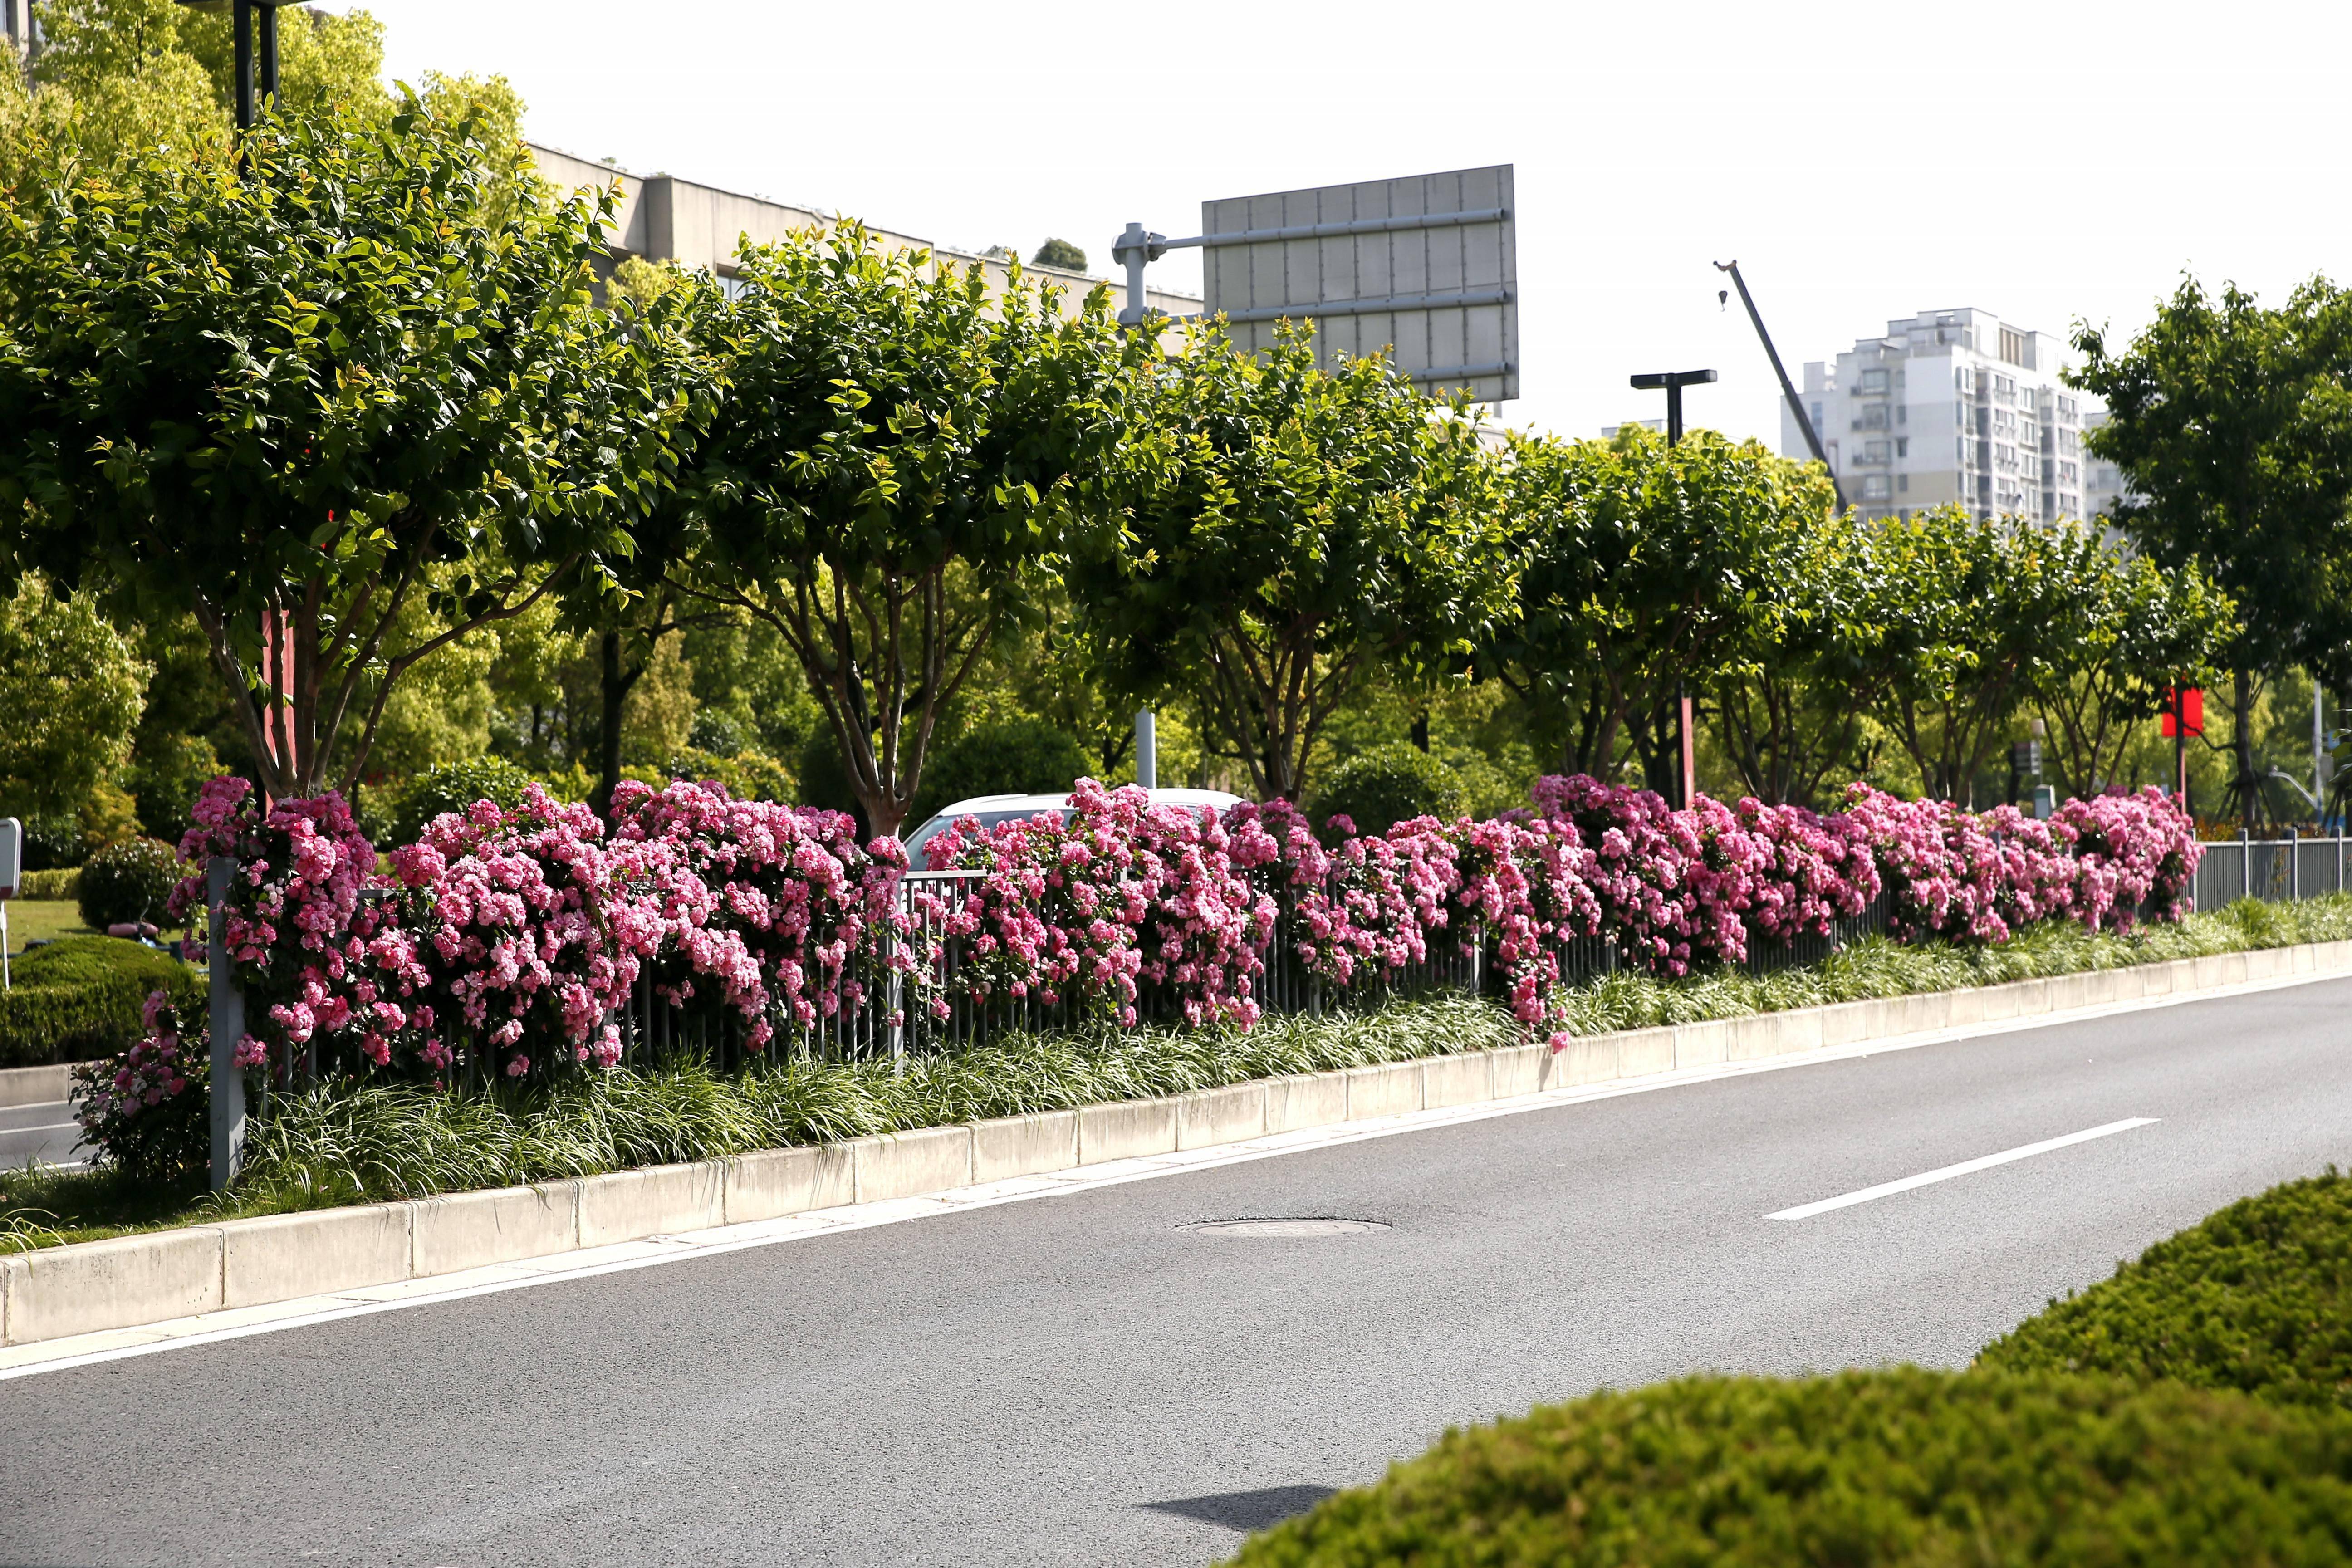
(663,218)
(1951,405)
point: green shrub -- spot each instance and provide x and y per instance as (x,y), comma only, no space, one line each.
(64,882)
(823,780)
(79,998)
(1379,788)
(128,882)
(453,786)
(1006,756)
(2256,1297)
(1895,1467)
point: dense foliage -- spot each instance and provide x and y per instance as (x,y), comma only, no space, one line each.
(2254,1298)
(1901,1466)
(128,883)
(1378,788)
(81,997)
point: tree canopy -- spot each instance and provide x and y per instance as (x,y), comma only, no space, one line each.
(899,458)
(285,399)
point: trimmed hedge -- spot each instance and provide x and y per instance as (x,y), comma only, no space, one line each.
(1898,1466)
(1379,788)
(60,884)
(80,997)
(2256,1297)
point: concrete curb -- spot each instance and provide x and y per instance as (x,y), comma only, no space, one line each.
(35,1086)
(91,1287)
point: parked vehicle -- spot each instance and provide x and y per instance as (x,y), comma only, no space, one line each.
(989,810)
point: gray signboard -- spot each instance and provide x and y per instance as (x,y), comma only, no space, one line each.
(1425,266)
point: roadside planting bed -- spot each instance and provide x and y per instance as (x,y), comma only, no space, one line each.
(476,1017)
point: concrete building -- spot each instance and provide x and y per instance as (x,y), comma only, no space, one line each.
(663,218)
(1950,406)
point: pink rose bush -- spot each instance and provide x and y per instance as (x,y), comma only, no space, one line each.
(514,943)
(136,1110)
(1119,904)
(772,913)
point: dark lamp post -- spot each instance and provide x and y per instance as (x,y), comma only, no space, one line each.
(1673,381)
(256,21)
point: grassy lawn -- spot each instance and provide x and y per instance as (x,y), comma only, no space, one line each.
(43,919)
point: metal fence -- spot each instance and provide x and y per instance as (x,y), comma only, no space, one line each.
(2276,869)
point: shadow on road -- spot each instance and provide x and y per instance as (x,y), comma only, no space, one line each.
(1246,1511)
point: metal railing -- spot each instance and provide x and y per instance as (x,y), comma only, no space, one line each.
(2275,869)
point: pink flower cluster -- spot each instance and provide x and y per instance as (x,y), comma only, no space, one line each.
(1088,910)
(765,908)
(1979,875)
(1679,886)
(164,1066)
(294,924)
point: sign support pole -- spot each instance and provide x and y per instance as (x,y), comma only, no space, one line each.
(228,1031)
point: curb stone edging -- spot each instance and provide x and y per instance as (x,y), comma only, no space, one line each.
(37,1086)
(128,1281)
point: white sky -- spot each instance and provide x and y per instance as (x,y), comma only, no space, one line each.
(2045,161)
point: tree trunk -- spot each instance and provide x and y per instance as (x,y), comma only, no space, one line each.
(613,687)
(2248,787)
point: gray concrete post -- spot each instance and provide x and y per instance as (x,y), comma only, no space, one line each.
(227,1030)
(1146,748)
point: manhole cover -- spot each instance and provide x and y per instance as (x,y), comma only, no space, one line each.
(1314,1227)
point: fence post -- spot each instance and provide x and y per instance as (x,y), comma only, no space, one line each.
(2295,864)
(227,1030)
(2245,864)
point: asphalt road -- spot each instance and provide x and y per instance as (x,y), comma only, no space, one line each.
(1078,1380)
(44,1132)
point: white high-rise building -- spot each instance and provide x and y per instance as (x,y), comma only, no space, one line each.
(1950,405)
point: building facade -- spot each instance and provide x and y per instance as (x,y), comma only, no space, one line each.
(1951,407)
(661,217)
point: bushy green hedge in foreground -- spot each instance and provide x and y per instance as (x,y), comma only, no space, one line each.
(79,998)
(2256,1297)
(1908,1467)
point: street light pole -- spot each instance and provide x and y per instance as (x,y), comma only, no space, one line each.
(1673,381)
(254,24)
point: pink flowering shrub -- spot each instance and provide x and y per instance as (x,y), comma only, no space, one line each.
(521,933)
(306,947)
(145,1110)
(512,942)
(773,913)
(1118,906)
(2133,855)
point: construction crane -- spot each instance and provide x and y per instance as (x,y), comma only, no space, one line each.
(1813,436)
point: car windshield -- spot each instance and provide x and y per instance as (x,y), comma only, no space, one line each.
(938,824)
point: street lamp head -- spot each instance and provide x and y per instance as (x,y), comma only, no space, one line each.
(1671,378)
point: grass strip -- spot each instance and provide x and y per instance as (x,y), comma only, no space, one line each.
(344,1145)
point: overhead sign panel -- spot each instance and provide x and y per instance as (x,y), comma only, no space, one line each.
(1425,267)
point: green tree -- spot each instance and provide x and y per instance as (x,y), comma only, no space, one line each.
(1291,533)
(285,398)
(1060,253)
(2122,630)
(1643,569)
(1789,713)
(1961,608)
(898,460)
(2232,425)
(71,689)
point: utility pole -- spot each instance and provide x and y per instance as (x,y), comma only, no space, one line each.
(1673,381)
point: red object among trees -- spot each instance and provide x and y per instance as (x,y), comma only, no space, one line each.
(2184,712)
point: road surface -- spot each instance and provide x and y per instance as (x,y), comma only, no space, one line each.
(1079,1380)
(44,1132)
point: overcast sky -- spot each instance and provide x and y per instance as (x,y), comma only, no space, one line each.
(2048,161)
